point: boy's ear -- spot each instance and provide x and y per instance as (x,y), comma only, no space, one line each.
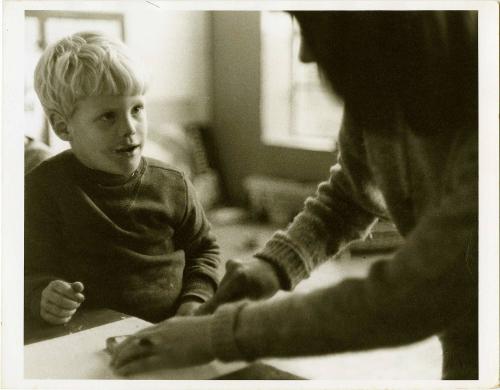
(60,126)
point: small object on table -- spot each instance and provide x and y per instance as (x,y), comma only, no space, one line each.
(112,342)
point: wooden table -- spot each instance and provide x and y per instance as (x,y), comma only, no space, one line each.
(39,330)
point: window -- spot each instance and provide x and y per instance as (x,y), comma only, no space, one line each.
(296,109)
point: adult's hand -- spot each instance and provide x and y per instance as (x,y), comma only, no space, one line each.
(173,343)
(253,279)
(188,308)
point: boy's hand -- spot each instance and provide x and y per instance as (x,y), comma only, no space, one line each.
(174,343)
(60,300)
(188,308)
(253,279)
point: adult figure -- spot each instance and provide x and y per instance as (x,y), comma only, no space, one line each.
(34,153)
(408,151)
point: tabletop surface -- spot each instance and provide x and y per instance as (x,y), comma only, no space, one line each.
(43,346)
(39,330)
(84,339)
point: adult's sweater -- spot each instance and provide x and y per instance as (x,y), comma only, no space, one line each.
(428,186)
(140,245)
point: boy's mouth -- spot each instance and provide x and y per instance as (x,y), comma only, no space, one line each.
(127,149)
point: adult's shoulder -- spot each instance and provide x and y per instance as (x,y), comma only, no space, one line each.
(34,153)
(46,182)
(52,169)
(463,161)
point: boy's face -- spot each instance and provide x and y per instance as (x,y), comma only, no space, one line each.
(107,133)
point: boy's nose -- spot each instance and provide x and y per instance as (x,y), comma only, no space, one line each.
(128,128)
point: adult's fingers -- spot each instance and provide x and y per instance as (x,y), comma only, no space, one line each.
(233,264)
(227,292)
(232,288)
(153,329)
(206,308)
(143,364)
(133,347)
(131,342)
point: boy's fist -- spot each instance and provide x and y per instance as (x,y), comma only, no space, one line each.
(60,300)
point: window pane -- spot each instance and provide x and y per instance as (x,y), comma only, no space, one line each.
(57,28)
(315,114)
(297,110)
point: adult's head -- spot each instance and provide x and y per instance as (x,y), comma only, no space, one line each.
(422,64)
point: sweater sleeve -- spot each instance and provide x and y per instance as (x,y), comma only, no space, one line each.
(429,284)
(344,208)
(42,241)
(201,274)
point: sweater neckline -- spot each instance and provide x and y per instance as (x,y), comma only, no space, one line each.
(105,178)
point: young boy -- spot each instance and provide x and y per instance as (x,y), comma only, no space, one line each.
(104,226)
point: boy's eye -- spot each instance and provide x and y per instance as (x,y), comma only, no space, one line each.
(107,117)
(137,109)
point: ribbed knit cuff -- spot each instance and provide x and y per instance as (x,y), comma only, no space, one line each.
(223,326)
(281,253)
(198,286)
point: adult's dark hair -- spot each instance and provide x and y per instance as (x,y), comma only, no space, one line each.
(421,63)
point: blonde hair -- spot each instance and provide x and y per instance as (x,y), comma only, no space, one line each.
(82,65)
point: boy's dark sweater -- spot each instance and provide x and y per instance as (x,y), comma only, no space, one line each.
(140,245)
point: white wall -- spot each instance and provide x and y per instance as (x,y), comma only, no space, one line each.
(175,47)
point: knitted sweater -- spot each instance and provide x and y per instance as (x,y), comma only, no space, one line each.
(428,186)
(140,245)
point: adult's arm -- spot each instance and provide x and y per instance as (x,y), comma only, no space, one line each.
(345,208)
(429,283)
